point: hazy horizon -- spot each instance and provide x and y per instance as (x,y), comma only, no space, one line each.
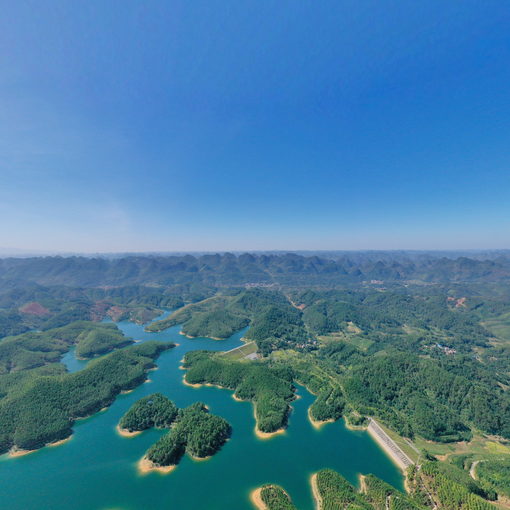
(7,253)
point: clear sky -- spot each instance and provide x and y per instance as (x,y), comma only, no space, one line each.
(236,124)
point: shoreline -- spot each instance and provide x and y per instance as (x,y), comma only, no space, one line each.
(362,484)
(256,499)
(126,432)
(145,466)
(315,491)
(200,459)
(186,383)
(193,337)
(261,435)
(268,435)
(353,427)
(59,442)
(19,452)
(264,436)
(317,424)
(200,385)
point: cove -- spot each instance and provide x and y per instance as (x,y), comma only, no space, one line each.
(96,469)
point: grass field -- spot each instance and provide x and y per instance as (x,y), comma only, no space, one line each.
(478,446)
(499,327)
(241,352)
(352,338)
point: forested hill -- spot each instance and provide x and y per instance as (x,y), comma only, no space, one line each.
(228,269)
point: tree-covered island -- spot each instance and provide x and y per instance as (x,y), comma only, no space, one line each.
(192,430)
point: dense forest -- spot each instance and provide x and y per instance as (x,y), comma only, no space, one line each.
(269,388)
(42,409)
(195,431)
(445,487)
(155,410)
(274,322)
(275,498)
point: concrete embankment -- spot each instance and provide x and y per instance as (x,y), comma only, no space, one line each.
(388,445)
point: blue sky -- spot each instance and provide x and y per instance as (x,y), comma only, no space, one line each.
(233,125)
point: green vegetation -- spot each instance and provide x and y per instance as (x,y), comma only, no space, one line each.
(155,410)
(184,314)
(495,473)
(100,339)
(44,408)
(336,492)
(275,498)
(269,388)
(34,349)
(367,317)
(196,432)
(329,405)
(218,323)
(441,484)
(499,326)
(274,322)
(432,486)
(419,396)
(383,496)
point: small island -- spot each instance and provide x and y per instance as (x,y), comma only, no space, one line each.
(195,432)
(192,430)
(155,410)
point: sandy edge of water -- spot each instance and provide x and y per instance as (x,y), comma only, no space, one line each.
(192,337)
(362,483)
(268,435)
(126,432)
(200,459)
(13,453)
(315,491)
(317,424)
(256,499)
(145,466)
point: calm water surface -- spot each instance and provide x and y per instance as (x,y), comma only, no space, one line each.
(97,468)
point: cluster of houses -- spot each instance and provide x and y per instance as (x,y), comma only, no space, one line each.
(445,349)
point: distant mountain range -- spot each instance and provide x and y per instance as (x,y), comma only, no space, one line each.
(292,269)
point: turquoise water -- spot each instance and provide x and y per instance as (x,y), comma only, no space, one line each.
(71,362)
(96,469)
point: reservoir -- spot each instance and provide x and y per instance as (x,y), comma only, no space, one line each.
(96,469)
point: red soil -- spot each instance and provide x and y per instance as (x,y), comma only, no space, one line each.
(34,308)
